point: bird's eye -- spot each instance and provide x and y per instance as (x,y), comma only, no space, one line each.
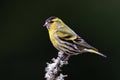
(50,21)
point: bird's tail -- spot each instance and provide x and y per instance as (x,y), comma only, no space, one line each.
(94,51)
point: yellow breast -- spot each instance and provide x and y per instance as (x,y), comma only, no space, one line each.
(52,36)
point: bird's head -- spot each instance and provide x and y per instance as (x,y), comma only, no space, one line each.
(52,21)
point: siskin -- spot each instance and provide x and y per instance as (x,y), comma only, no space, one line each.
(64,39)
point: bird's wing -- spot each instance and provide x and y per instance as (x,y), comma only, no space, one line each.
(74,39)
(82,43)
(66,35)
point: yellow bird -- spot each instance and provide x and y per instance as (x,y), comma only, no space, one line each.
(64,39)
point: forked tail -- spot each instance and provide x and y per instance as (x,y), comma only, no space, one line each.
(96,52)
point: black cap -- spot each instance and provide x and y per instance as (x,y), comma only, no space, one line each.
(52,17)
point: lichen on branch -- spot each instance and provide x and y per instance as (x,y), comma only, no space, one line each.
(53,69)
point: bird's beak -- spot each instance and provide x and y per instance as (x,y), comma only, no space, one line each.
(46,24)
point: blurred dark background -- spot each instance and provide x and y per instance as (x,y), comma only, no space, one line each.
(25,46)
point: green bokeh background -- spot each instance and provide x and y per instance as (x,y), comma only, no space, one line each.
(25,46)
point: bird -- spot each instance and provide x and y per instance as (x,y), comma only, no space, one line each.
(65,40)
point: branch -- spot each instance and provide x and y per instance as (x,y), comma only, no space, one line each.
(53,69)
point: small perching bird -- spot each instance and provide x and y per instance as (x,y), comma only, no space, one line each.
(64,39)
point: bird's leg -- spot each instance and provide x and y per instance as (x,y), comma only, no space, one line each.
(64,57)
